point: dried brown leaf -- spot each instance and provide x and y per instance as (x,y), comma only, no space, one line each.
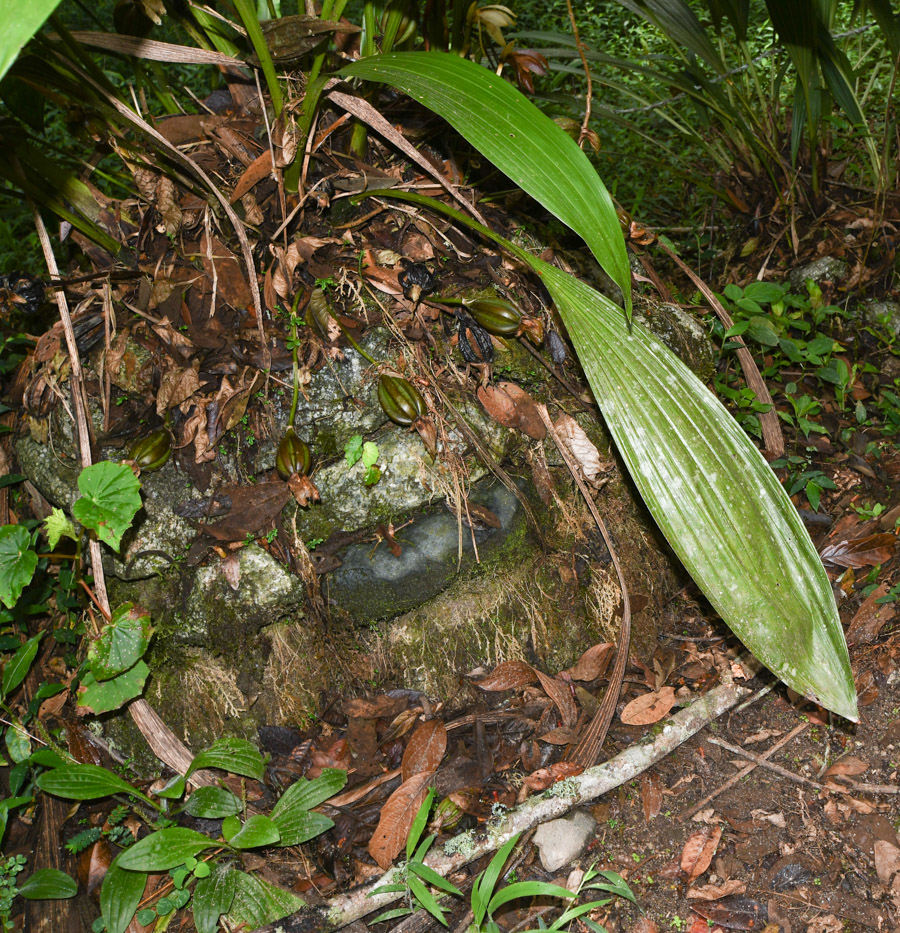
(397,816)
(425,749)
(651,795)
(177,386)
(381,706)
(303,489)
(887,860)
(849,766)
(561,694)
(644,925)
(870,618)
(581,447)
(512,407)
(713,892)
(527,418)
(167,205)
(256,171)
(649,708)
(564,735)
(509,675)
(699,850)
(593,663)
(860,552)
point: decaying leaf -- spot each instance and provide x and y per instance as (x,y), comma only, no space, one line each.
(714,892)
(887,860)
(561,694)
(425,749)
(860,552)
(581,447)
(167,205)
(699,850)
(381,706)
(509,675)
(649,708)
(651,795)
(870,618)
(397,815)
(593,663)
(512,407)
(848,766)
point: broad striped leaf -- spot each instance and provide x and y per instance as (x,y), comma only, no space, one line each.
(708,488)
(523,143)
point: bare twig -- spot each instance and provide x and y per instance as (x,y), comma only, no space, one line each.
(687,814)
(586,751)
(790,775)
(363,110)
(589,93)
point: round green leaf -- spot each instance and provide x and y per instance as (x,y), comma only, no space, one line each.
(17,563)
(110,498)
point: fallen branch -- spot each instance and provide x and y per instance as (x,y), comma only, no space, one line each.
(553,803)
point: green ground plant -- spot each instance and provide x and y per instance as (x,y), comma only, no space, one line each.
(208,882)
(424,889)
(764,92)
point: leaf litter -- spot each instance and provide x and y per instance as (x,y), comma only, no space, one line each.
(192,351)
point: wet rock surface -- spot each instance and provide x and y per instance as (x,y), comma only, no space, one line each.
(446,570)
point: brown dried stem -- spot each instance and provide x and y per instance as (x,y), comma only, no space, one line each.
(588,747)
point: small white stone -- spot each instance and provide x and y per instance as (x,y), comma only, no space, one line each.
(561,841)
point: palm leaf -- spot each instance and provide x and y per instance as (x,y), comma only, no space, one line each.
(706,485)
(510,131)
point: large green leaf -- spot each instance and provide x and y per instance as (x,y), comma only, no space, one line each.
(110,497)
(709,489)
(715,498)
(121,643)
(213,896)
(85,782)
(120,895)
(48,884)
(164,849)
(20,22)
(523,143)
(18,666)
(17,563)
(256,902)
(238,756)
(104,696)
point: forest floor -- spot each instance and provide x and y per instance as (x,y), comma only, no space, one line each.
(806,841)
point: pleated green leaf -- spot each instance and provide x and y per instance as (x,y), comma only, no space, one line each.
(713,496)
(523,143)
(708,488)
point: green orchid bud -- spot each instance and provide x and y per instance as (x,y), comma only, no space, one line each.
(401,400)
(152,451)
(496,315)
(293,456)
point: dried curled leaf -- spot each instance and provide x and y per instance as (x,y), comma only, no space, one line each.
(699,850)
(580,446)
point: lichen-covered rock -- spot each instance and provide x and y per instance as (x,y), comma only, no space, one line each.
(409,478)
(682,333)
(826,268)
